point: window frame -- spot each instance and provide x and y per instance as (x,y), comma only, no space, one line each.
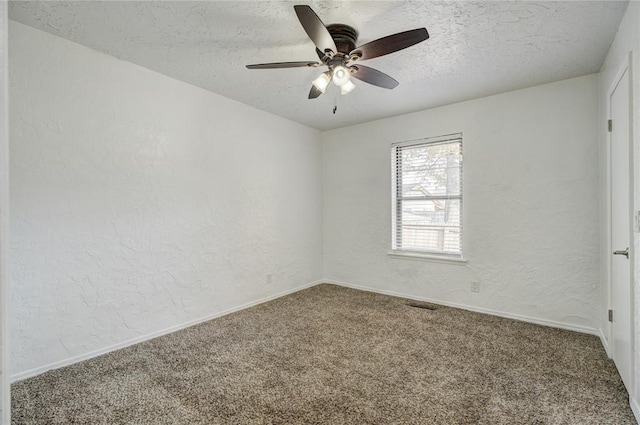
(396,205)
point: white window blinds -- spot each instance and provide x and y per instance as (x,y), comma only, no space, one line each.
(427,195)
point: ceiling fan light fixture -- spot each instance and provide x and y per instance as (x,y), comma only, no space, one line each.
(341,76)
(347,87)
(322,81)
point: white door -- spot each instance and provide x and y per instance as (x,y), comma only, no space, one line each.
(621,229)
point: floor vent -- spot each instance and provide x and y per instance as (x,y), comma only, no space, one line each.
(424,306)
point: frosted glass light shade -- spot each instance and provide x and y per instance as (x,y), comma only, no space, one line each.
(347,87)
(341,75)
(322,82)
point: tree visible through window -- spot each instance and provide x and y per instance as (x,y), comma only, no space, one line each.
(427,195)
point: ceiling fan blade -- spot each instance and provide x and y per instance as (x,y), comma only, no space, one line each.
(390,44)
(315,29)
(314,92)
(301,64)
(373,76)
(320,54)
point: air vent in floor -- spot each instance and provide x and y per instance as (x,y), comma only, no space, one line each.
(424,306)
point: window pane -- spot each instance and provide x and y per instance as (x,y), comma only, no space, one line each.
(432,225)
(431,170)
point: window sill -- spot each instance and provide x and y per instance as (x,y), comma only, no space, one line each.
(423,256)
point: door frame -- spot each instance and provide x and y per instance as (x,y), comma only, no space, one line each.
(624,67)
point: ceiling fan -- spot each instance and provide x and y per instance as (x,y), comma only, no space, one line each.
(336,48)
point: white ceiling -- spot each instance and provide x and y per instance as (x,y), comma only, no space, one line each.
(476,48)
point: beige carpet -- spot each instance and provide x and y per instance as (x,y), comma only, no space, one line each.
(331,355)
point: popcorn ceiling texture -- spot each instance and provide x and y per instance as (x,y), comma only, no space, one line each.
(140,202)
(530,179)
(476,49)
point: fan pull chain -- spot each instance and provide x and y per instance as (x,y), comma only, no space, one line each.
(335,104)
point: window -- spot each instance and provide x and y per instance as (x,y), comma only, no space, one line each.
(427,196)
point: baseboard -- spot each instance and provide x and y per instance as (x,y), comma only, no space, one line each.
(522,318)
(635,408)
(66,362)
(604,342)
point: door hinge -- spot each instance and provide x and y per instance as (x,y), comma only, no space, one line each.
(611,315)
(610,125)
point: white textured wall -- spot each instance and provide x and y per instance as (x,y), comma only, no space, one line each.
(627,40)
(140,202)
(5,390)
(531,233)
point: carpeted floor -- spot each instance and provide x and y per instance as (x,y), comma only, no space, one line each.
(331,355)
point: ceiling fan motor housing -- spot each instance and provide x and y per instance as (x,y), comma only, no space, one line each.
(344,36)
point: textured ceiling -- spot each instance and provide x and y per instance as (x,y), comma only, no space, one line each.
(476,48)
